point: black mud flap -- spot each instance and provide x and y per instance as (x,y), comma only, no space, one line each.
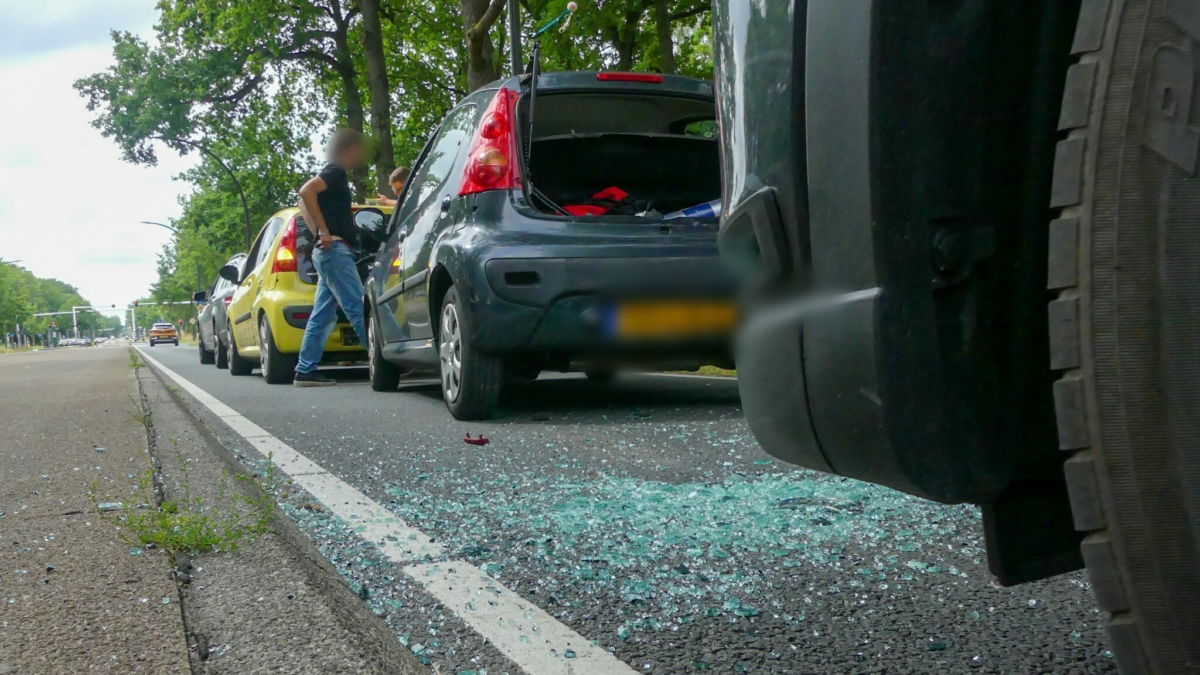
(1030,534)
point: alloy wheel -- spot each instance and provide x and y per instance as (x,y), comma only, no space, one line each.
(450,351)
(371,364)
(263,340)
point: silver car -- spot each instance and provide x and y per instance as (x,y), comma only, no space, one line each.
(213,322)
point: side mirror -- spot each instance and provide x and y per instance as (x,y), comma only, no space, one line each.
(199,296)
(369,220)
(231,273)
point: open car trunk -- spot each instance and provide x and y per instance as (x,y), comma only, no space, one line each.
(602,155)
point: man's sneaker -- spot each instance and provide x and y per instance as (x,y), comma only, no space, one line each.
(313,379)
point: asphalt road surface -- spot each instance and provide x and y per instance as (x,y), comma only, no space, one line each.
(643,516)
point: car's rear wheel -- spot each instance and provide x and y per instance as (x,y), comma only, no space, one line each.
(277,368)
(1124,329)
(471,380)
(222,352)
(385,376)
(237,365)
(207,357)
(601,374)
(522,372)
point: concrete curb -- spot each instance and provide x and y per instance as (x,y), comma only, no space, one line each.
(375,648)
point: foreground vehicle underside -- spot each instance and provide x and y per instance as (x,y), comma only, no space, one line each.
(975,260)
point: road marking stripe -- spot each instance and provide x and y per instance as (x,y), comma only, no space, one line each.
(533,638)
(539,644)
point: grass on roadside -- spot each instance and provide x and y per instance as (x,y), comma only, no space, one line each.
(134,362)
(189,524)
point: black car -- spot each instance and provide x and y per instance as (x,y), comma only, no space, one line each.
(213,322)
(969,230)
(552,227)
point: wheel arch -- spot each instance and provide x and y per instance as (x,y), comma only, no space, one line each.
(440,281)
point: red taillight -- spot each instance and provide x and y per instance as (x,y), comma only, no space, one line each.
(228,300)
(285,255)
(647,78)
(301,316)
(492,158)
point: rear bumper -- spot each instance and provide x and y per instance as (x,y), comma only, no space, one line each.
(555,306)
(287,327)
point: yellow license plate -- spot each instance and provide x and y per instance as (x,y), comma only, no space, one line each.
(673,319)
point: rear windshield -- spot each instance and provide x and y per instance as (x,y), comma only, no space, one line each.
(604,154)
(163,326)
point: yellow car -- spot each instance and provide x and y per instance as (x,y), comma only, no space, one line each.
(274,297)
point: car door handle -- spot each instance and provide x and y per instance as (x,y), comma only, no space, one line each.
(445,205)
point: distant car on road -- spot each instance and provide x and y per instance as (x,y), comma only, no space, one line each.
(164,332)
(555,236)
(213,322)
(273,297)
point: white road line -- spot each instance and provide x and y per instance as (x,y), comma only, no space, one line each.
(531,638)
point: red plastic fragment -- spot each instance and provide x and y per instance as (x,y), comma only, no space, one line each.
(476,440)
(585,209)
(612,192)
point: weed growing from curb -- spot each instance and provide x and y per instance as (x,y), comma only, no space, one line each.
(188,524)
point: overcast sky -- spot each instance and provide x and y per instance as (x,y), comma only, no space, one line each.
(69,207)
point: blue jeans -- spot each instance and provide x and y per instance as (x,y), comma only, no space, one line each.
(337,284)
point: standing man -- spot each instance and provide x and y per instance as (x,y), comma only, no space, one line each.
(397,179)
(325,204)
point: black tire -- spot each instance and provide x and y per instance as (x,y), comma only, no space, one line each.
(277,367)
(476,393)
(1124,331)
(601,375)
(385,376)
(522,372)
(207,357)
(237,365)
(222,352)
(177,343)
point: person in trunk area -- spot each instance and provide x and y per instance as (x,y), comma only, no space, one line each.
(397,179)
(325,204)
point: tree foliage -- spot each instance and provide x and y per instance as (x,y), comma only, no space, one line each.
(253,85)
(22,295)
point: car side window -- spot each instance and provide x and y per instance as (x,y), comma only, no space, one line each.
(249,261)
(270,231)
(438,164)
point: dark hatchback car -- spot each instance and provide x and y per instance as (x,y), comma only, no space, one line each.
(213,321)
(567,228)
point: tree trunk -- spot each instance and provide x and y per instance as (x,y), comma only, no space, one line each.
(666,48)
(381,105)
(478,18)
(626,44)
(354,107)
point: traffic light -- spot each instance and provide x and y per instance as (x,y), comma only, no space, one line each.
(135,303)
(114,306)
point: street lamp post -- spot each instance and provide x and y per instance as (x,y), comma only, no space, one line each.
(241,193)
(199,281)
